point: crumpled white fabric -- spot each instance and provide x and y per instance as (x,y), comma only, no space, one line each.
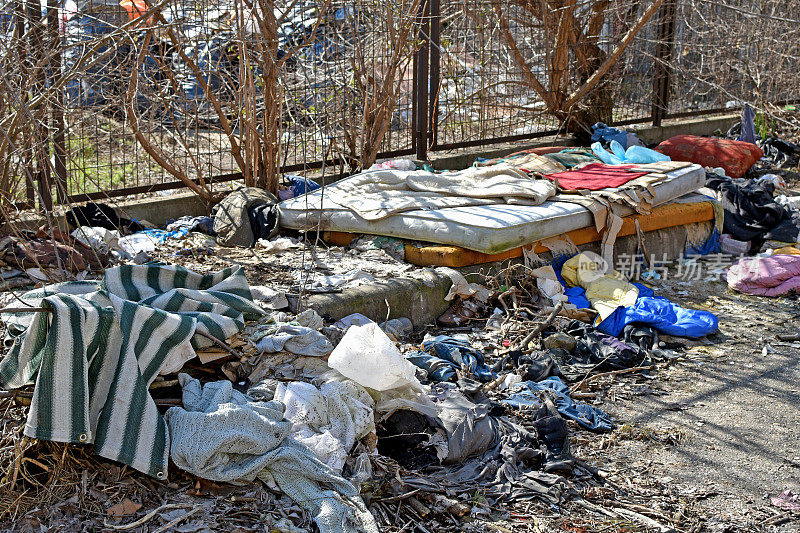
(101,240)
(222,435)
(269,298)
(296,339)
(298,335)
(329,419)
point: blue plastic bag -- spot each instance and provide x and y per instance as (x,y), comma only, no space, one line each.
(638,155)
(601,132)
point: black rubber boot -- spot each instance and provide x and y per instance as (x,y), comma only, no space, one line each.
(552,431)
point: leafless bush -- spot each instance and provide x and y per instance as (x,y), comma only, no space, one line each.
(106,98)
(736,51)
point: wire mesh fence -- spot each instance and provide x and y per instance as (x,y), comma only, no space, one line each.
(481,92)
(103,98)
(502,61)
(731,51)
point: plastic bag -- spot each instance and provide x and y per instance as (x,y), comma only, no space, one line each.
(776,181)
(137,243)
(398,327)
(789,202)
(395,164)
(638,155)
(362,470)
(369,357)
(641,156)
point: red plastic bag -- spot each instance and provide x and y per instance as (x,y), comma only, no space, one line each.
(736,157)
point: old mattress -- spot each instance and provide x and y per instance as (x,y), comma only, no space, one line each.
(485,228)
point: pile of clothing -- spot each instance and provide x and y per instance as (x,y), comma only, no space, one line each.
(245,216)
(778,152)
(115,238)
(95,347)
(753,214)
(592,284)
(775,275)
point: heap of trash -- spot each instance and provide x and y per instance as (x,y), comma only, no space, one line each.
(200,373)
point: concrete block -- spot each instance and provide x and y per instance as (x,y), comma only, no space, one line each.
(420,300)
(701,126)
(163,208)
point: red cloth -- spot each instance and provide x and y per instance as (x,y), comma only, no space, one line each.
(595,176)
(736,157)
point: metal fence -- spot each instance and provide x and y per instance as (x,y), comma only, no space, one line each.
(465,73)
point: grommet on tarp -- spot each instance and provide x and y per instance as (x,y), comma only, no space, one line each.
(83,437)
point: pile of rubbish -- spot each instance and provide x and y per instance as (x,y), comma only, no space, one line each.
(175,372)
(161,368)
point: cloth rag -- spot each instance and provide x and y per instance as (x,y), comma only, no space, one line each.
(776,275)
(595,176)
(524,395)
(329,419)
(223,435)
(92,358)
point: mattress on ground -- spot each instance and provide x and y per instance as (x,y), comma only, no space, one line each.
(687,210)
(486,228)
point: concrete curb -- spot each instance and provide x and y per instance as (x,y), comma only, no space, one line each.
(156,210)
(420,299)
(702,126)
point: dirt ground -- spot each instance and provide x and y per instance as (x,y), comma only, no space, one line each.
(720,426)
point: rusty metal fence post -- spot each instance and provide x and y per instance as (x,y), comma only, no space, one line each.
(434,76)
(58,126)
(664,47)
(421,83)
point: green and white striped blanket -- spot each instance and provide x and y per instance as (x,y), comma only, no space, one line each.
(93,358)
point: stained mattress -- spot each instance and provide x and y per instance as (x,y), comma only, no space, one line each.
(485,228)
